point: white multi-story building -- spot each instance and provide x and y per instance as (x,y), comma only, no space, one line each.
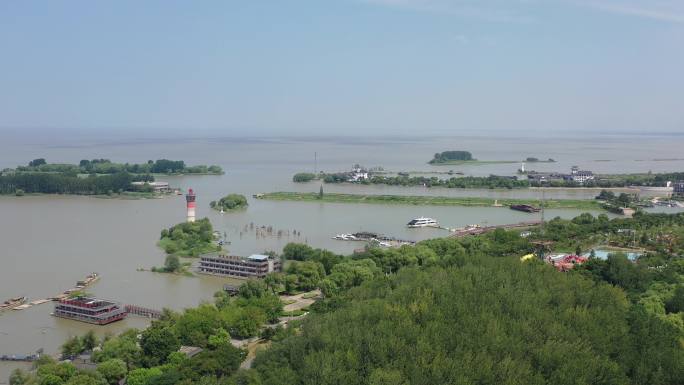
(358,174)
(580,176)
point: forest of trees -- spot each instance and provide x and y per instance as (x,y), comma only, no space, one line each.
(105,166)
(486,321)
(67,183)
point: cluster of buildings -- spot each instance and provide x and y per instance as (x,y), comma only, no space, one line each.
(358,174)
(576,175)
(158,187)
(565,262)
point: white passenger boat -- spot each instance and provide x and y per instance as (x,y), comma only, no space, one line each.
(422,222)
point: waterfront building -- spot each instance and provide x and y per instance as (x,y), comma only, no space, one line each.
(579,176)
(576,175)
(90,310)
(190,200)
(158,187)
(254,266)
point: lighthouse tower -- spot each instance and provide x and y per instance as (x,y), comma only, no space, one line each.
(190,199)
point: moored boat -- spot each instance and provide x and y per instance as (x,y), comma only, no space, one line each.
(89,280)
(525,208)
(12,303)
(422,222)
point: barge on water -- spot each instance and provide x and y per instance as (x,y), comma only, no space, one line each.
(525,208)
(20,357)
(91,310)
(12,303)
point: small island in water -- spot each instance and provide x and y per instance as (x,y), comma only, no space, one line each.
(461,157)
(465,157)
(230,202)
(189,239)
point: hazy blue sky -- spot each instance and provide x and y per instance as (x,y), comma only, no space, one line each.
(343,66)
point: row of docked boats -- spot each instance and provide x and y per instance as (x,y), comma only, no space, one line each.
(80,285)
(21,303)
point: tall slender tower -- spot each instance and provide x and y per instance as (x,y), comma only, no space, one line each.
(190,199)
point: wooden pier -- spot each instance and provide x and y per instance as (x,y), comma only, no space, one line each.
(486,229)
(143,311)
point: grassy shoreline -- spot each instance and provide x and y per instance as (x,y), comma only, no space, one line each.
(429,200)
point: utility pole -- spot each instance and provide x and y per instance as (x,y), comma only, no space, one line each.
(315,163)
(542,210)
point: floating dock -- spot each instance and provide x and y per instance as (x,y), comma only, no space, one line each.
(80,285)
(365,236)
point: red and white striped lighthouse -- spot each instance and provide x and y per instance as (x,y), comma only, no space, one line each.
(190,199)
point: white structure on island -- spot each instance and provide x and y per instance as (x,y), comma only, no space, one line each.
(358,173)
(580,176)
(190,200)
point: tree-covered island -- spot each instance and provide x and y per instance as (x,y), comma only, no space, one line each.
(461,157)
(494,181)
(95,177)
(119,184)
(450,156)
(230,202)
(106,166)
(303,177)
(189,239)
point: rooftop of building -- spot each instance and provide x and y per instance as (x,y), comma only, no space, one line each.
(88,302)
(258,257)
(190,351)
(251,258)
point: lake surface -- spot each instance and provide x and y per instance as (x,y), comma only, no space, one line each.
(47,243)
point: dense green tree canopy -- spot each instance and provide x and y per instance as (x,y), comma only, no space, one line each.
(230,202)
(303,177)
(106,166)
(490,321)
(447,156)
(189,239)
